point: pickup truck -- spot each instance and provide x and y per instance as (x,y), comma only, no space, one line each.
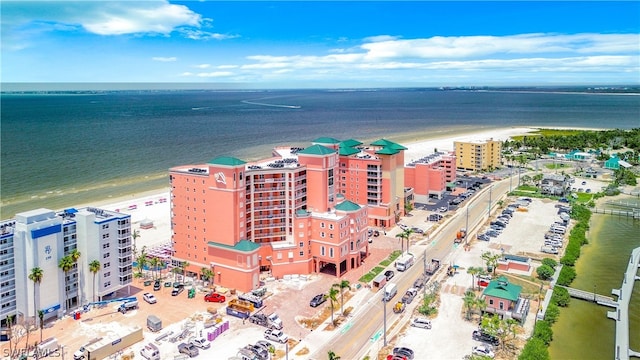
(271,321)
(408,297)
(276,335)
(433,266)
(188,349)
(200,343)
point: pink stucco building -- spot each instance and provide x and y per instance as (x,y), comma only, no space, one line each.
(429,176)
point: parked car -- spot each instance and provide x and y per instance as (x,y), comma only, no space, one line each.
(264,344)
(389,274)
(403,351)
(584,183)
(188,349)
(317,300)
(214,297)
(443,209)
(177,289)
(403,226)
(483,350)
(480,335)
(275,335)
(483,237)
(421,322)
(201,343)
(259,351)
(417,230)
(150,298)
(157,285)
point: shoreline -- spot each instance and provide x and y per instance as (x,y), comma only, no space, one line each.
(419,145)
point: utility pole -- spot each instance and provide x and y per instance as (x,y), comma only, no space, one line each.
(490,188)
(466,229)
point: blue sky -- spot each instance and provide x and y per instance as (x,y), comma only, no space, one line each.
(322,44)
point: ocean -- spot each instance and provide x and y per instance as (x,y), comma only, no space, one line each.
(64,149)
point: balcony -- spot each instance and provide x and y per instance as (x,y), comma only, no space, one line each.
(122,244)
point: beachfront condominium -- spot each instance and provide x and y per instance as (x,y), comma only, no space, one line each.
(430,175)
(303,210)
(478,155)
(46,240)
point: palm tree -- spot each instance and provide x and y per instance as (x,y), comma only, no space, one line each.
(155,264)
(41,316)
(344,284)
(35,276)
(207,274)
(94,267)
(333,293)
(405,234)
(141,260)
(184,266)
(473,271)
(469,301)
(333,356)
(491,260)
(134,235)
(66,264)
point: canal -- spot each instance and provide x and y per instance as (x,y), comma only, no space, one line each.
(583,330)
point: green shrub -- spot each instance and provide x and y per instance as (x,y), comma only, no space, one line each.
(535,349)
(544,272)
(552,313)
(567,275)
(560,296)
(550,262)
(543,331)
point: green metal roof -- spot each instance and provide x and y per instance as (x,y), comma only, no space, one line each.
(387,151)
(346,151)
(388,143)
(227,160)
(326,140)
(316,150)
(351,143)
(501,288)
(347,206)
(242,245)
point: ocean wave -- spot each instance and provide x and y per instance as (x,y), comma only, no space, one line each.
(273,105)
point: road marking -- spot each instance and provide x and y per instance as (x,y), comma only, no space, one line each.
(346,327)
(376,336)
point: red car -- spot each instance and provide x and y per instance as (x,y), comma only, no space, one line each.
(214,297)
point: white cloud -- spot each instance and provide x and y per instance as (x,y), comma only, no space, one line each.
(202,66)
(216,74)
(118,18)
(164,59)
(197,34)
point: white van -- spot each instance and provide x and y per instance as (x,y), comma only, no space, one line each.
(390,291)
(558,230)
(48,347)
(150,352)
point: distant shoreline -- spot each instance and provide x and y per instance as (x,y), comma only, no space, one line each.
(418,145)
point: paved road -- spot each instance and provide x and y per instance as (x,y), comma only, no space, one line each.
(368,321)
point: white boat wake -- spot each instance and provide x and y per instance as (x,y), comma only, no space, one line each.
(273,105)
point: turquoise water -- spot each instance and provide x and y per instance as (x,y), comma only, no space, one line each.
(583,330)
(61,150)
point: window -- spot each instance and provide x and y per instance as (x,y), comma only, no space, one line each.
(331,252)
(105,226)
(322,225)
(105,246)
(105,255)
(107,274)
(106,265)
(322,250)
(301,253)
(330,226)
(322,234)
(107,284)
(301,244)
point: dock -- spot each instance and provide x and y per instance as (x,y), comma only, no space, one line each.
(621,313)
(591,296)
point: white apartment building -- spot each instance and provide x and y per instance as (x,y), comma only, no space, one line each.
(40,238)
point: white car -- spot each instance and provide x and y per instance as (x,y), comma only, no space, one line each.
(421,322)
(276,335)
(150,298)
(483,350)
(200,343)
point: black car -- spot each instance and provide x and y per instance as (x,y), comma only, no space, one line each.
(177,289)
(156,285)
(404,351)
(317,300)
(389,274)
(480,335)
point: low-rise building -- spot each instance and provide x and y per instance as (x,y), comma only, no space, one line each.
(429,176)
(503,298)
